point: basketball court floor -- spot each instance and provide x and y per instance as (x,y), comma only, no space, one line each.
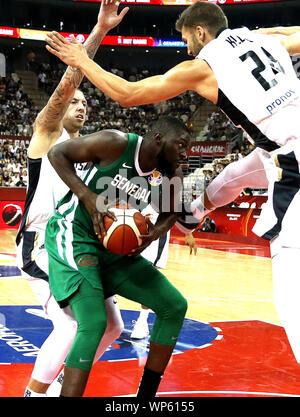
(231,344)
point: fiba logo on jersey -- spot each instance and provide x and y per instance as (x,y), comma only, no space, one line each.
(155,178)
(11,214)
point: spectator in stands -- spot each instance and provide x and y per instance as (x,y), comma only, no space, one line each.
(15,178)
(6,178)
(237,153)
(209,225)
(20,183)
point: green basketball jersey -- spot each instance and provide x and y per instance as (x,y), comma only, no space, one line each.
(117,181)
(75,252)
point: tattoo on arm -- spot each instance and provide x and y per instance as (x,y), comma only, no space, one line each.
(59,101)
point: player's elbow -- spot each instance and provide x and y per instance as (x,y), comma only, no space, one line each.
(126,101)
(130,95)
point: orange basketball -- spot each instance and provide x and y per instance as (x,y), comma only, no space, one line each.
(123,235)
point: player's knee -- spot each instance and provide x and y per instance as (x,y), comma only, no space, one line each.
(176,308)
(93,327)
(180,307)
(66,329)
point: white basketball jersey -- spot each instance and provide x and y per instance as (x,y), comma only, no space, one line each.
(45,189)
(158,251)
(258,88)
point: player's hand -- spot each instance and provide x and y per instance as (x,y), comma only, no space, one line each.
(71,53)
(190,241)
(98,208)
(147,239)
(108,16)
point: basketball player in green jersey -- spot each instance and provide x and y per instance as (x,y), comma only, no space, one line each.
(82,272)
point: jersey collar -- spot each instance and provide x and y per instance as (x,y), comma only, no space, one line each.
(136,159)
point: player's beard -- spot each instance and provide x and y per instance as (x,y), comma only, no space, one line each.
(196,45)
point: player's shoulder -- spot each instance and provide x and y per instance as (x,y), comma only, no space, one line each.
(113,134)
(111,140)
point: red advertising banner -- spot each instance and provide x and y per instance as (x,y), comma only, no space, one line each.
(235,221)
(184,2)
(9,32)
(214,149)
(128,41)
(40,35)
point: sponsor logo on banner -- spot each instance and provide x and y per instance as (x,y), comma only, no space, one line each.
(208,149)
(11,214)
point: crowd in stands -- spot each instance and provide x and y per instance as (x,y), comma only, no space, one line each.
(13,164)
(197,181)
(210,171)
(16,108)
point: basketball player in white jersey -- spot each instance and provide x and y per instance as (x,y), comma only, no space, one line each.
(157,253)
(250,77)
(61,119)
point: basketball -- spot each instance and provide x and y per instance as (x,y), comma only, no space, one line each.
(123,235)
(12,214)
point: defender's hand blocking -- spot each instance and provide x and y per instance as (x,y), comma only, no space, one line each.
(108,17)
(71,53)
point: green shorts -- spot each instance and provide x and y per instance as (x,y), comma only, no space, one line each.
(73,260)
(78,269)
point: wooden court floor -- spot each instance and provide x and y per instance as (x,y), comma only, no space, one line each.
(232,343)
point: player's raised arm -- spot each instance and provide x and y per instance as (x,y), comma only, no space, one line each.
(184,76)
(49,120)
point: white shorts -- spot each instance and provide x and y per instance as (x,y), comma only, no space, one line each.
(32,257)
(286,288)
(158,251)
(280,214)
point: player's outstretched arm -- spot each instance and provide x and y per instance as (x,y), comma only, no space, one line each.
(48,124)
(292,43)
(289,37)
(185,76)
(279,30)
